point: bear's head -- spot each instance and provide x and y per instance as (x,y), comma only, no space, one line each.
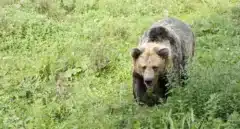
(150,61)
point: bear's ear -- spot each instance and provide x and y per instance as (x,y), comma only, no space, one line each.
(158,33)
(162,52)
(135,53)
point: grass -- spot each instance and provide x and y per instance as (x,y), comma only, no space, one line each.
(90,42)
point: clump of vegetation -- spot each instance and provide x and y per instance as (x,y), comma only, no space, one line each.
(84,46)
(7,2)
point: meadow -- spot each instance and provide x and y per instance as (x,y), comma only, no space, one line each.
(89,43)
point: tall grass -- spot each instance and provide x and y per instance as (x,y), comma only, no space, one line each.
(89,43)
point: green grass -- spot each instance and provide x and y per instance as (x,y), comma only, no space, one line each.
(90,42)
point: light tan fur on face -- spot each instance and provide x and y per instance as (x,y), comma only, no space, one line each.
(149,63)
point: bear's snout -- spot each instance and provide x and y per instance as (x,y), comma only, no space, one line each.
(148,81)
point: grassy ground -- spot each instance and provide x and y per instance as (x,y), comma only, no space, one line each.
(90,41)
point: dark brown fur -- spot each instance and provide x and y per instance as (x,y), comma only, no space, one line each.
(139,89)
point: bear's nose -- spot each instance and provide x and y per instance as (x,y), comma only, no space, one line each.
(148,82)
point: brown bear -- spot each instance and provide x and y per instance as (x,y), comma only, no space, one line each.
(160,59)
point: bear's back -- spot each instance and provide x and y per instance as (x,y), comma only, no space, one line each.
(177,28)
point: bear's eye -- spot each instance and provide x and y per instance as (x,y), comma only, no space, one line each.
(155,68)
(144,67)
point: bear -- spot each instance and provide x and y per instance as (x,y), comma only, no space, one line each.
(161,60)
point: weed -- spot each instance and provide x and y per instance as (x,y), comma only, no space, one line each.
(87,44)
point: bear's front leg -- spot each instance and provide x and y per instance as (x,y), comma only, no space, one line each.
(139,90)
